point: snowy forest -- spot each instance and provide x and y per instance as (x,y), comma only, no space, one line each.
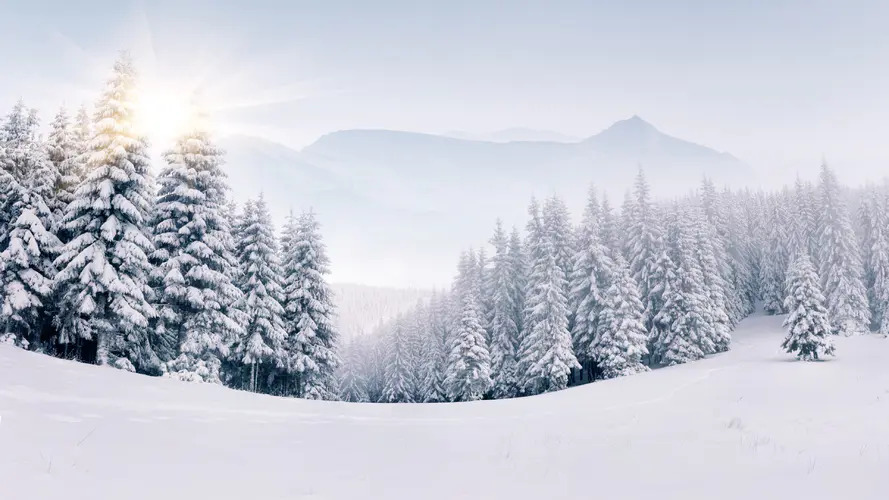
(656,284)
(105,261)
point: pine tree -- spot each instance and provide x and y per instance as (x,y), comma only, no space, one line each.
(195,296)
(874,220)
(103,277)
(741,252)
(644,241)
(714,286)
(557,223)
(398,365)
(686,336)
(664,279)
(802,220)
(311,335)
(716,215)
(434,355)
(352,383)
(590,279)
(840,261)
(776,259)
(546,357)
(621,336)
(504,330)
(608,228)
(26,272)
(808,324)
(259,281)
(468,375)
(64,153)
(517,264)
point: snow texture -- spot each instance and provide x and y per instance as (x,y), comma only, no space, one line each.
(749,423)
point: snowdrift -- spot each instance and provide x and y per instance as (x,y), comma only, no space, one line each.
(751,423)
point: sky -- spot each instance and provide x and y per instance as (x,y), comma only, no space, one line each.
(777,82)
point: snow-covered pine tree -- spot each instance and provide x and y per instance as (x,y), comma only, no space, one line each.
(664,279)
(714,285)
(621,337)
(504,330)
(311,339)
(518,265)
(468,375)
(776,258)
(434,355)
(801,220)
(644,242)
(398,366)
(557,223)
(352,383)
(103,277)
(64,153)
(740,248)
(686,336)
(27,272)
(874,221)
(608,227)
(546,357)
(484,292)
(715,215)
(590,278)
(808,320)
(840,261)
(261,345)
(192,279)
(416,330)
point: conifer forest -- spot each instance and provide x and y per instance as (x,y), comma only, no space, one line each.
(108,261)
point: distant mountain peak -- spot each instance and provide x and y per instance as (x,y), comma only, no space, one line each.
(634,125)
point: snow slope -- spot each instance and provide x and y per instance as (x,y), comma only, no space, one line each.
(751,423)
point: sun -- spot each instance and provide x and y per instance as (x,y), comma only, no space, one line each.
(166,112)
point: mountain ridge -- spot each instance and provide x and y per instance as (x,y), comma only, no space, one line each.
(397,207)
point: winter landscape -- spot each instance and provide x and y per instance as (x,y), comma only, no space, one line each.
(193,307)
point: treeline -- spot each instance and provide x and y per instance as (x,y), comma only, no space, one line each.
(660,283)
(104,262)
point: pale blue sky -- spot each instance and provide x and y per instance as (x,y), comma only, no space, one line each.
(773,82)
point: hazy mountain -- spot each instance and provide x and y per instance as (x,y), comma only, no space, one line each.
(517,134)
(397,207)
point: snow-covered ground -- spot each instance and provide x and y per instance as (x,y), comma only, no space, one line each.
(749,424)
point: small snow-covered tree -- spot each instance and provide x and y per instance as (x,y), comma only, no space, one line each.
(808,322)
(103,270)
(546,357)
(840,261)
(259,280)
(621,337)
(310,346)
(195,296)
